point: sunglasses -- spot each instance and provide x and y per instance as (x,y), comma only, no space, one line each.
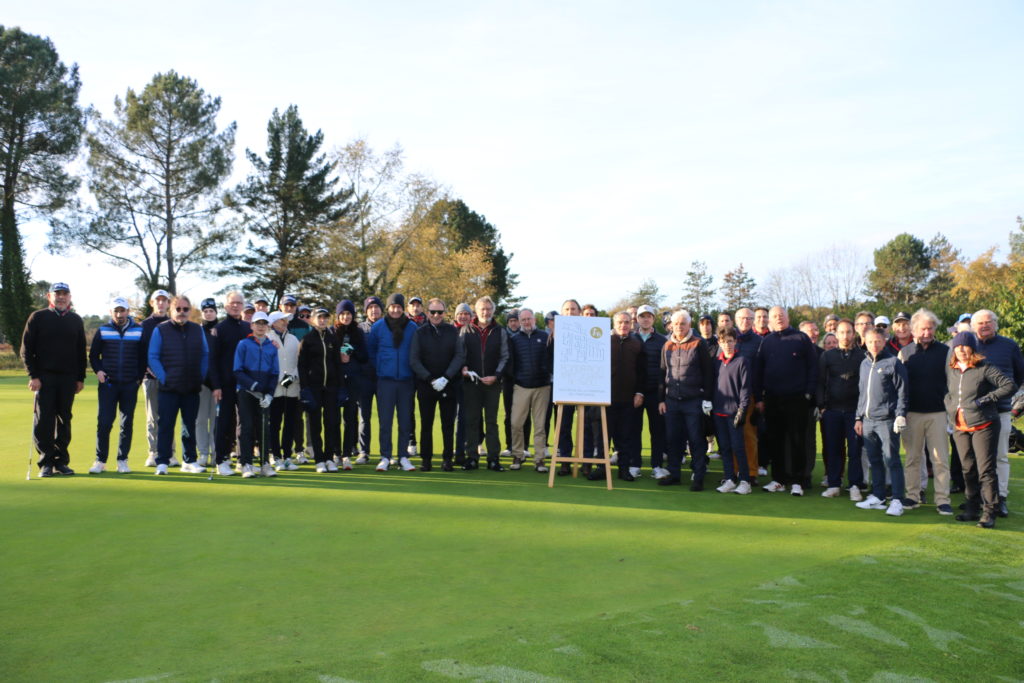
(436,312)
(183,310)
(307,316)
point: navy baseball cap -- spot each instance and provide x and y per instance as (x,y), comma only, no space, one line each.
(59,287)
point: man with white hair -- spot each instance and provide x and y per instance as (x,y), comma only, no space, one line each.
(687,385)
(1005,354)
(160,302)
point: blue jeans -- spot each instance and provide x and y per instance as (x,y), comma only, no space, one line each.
(394,395)
(169,405)
(115,398)
(730,444)
(837,426)
(684,424)
(882,446)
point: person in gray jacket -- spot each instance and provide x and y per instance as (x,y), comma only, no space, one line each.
(881,417)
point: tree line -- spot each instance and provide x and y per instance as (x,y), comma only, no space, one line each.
(327,224)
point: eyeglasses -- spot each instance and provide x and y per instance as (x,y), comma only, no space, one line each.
(306,316)
(183,310)
(436,312)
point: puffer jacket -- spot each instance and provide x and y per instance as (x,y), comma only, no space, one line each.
(388,361)
(256,367)
(287,362)
(977,392)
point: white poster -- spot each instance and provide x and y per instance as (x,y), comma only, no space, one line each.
(583,364)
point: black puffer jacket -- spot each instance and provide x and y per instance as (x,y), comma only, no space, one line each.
(977,391)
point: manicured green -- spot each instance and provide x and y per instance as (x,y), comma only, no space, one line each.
(482,576)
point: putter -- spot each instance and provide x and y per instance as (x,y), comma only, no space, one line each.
(31,436)
(213,436)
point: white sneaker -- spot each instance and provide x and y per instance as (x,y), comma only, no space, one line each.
(383,465)
(302,459)
(796,490)
(824,483)
(505,453)
(411,450)
(346,463)
(895,508)
(174,461)
(743,489)
(660,472)
(224,469)
(762,472)
(634,472)
(614,459)
(517,463)
(855,495)
(321,467)
(290,465)
(872,503)
(192,468)
(203,460)
(331,466)
(161,470)
(122,467)
(832,492)
(248,472)
(268,471)
(727,487)
(97,467)
(363,459)
(238,467)
(540,467)
(406,465)
(151,460)
(773,487)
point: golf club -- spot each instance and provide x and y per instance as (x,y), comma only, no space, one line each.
(31,436)
(213,437)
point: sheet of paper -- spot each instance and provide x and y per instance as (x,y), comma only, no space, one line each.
(583,366)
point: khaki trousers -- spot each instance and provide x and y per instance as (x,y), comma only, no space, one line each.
(925,436)
(532,402)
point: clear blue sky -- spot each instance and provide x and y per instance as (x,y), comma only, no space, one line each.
(609,141)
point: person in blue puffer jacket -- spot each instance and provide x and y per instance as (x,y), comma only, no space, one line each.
(389,345)
(256,371)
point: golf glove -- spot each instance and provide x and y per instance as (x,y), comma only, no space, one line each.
(706,407)
(473,376)
(737,421)
(900,424)
(266,401)
(440,383)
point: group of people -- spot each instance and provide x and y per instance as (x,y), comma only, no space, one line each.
(272,389)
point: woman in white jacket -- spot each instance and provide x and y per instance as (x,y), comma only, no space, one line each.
(284,410)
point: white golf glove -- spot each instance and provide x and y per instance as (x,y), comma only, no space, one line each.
(266,401)
(900,424)
(473,376)
(706,407)
(440,383)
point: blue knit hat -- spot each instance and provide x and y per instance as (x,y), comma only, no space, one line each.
(345,305)
(965,339)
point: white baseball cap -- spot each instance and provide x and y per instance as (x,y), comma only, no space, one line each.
(646,309)
(275,316)
(120,302)
(261,316)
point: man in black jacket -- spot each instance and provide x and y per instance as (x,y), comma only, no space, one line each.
(53,351)
(652,341)
(320,377)
(229,331)
(436,359)
(838,390)
(629,367)
(160,301)
(485,347)
(530,358)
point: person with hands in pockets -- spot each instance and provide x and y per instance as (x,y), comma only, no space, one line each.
(319,379)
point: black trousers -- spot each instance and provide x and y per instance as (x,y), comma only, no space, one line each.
(284,413)
(350,421)
(655,424)
(255,429)
(978,458)
(51,424)
(481,402)
(786,439)
(227,422)
(623,430)
(429,401)
(324,415)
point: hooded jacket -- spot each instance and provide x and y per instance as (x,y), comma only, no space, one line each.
(390,362)
(985,384)
(256,366)
(883,388)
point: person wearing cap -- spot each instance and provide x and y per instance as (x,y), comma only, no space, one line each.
(160,301)
(901,333)
(261,304)
(373,310)
(484,346)
(114,357)
(463,317)
(209,395)
(284,410)
(706,329)
(882,324)
(320,377)
(436,361)
(881,418)
(508,385)
(297,325)
(53,352)
(653,341)
(229,332)
(248,310)
(414,309)
(974,388)
(354,358)
(1004,354)
(830,323)
(390,344)
(256,373)
(179,358)
(925,437)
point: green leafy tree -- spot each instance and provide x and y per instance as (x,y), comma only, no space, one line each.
(41,128)
(903,268)
(698,289)
(739,289)
(155,171)
(288,206)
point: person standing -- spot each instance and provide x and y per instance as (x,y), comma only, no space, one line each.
(389,345)
(925,436)
(836,399)
(485,349)
(653,341)
(354,359)
(114,357)
(53,353)
(298,326)
(748,343)
(160,301)
(319,379)
(229,332)
(284,409)
(1005,354)
(974,388)
(373,310)
(512,327)
(881,417)
(179,358)
(686,389)
(628,369)
(256,371)
(733,380)
(436,360)
(530,358)
(206,423)
(463,317)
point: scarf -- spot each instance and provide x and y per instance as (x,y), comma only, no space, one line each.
(397,327)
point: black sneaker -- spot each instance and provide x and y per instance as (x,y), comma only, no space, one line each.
(968,516)
(64,469)
(909,504)
(596,474)
(495,466)
(697,486)
(626,476)
(446,466)
(670,481)
(987,521)
(944,509)
(45,472)
(1001,509)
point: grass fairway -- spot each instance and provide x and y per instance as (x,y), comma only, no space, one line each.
(482,576)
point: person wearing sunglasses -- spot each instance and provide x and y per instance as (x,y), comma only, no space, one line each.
(298,316)
(179,357)
(436,360)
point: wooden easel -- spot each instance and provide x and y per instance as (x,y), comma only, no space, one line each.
(579,456)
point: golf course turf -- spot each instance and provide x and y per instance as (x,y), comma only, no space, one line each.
(484,576)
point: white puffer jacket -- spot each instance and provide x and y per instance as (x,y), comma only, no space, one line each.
(288,359)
